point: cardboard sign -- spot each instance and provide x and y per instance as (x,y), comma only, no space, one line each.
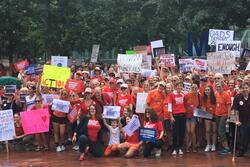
(232,46)
(200,113)
(7,128)
(72,116)
(141,102)
(55,77)
(60,105)
(219,35)
(186,65)
(59,61)
(129,63)
(200,64)
(248,66)
(147,134)
(111,112)
(94,54)
(21,65)
(168,60)
(132,126)
(157,44)
(74,85)
(35,121)
(48,98)
(220,62)
(10,89)
(186,87)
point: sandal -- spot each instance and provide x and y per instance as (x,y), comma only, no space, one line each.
(81,158)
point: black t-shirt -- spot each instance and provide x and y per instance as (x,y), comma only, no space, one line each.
(243,106)
(7,105)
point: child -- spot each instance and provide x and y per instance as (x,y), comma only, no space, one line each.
(114,140)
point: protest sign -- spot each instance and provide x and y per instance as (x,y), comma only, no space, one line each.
(187,87)
(10,89)
(7,128)
(147,134)
(220,62)
(35,121)
(129,63)
(141,49)
(168,60)
(248,66)
(219,35)
(39,70)
(200,113)
(48,98)
(111,112)
(74,85)
(132,126)
(185,65)
(55,77)
(200,64)
(60,105)
(30,70)
(130,52)
(72,116)
(94,54)
(59,61)
(21,65)
(158,51)
(148,73)
(141,102)
(157,44)
(22,97)
(146,62)
(232,46)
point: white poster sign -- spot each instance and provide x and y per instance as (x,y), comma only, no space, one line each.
(141,102)
(59,61)
(202,114)
(132,126)
(248,66)
(219,35)
(200,64)
(129,63)
(232,46)
(48,98)
(186,65)
(111,112)
(7,128)
(157,44)
(60,105)
(168,60)
(94,54)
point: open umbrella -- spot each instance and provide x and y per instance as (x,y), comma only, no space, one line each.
(8,80)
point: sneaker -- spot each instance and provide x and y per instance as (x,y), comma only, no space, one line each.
(158,153)
(174,152)
(208,148)
(76,148)
(180,152)
(224,151)
(62,148)
(58,149)
(213,147)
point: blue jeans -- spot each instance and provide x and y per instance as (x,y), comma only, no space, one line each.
(244,136)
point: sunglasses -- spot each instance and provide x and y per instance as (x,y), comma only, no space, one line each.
(37,101)
(217,78)
(173,80)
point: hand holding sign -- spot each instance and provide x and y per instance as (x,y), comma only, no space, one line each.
(132,126)
(60,105)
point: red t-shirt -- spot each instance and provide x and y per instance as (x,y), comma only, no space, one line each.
(177,101)
(157,126)
(191,102)
(134,139)
(93,129)
(85,107)
(123,101)
(19,130)
(223,101)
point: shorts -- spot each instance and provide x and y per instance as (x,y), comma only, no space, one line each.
(213,119)
(128,145)
(60,120)
(191,120)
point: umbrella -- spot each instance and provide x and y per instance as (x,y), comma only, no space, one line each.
(8,80)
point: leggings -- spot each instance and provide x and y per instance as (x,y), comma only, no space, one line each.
(179,127)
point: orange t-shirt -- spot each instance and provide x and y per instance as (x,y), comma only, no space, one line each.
(165,108)
(123,101)
(155,100)
(191,102)
(223,101)
(210,108)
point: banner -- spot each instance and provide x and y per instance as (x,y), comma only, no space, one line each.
(48,98)
(202,114)
(10,89)
(60,105)
(21,65)
(220,62)
(72,116)
(168,60)
(7,128)
(35,121)
(94,54)
(59,61)
(232,46)
(200,64)
(219,35)
(147,134)
(55,77)
(111,112)
(132,126)
(141,102)
(74,85)
(186,65)
(129,63)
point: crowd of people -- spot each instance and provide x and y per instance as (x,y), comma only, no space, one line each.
(169,110)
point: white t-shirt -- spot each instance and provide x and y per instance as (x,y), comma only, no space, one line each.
(114,135)
(30,101)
